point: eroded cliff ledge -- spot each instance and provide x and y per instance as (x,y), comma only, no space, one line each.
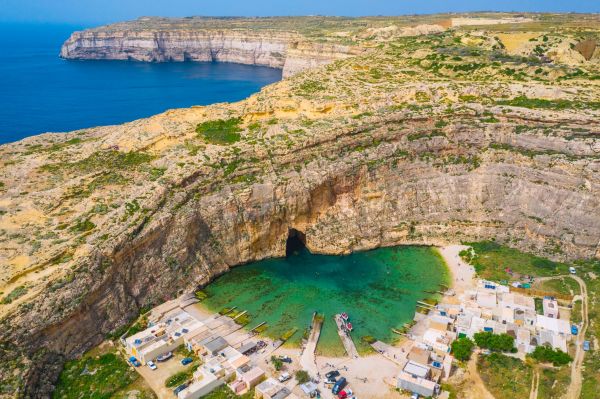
(424,140)
(203,39)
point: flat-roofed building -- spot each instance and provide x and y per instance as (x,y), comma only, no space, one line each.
(550,306)
(555,325)
(417,384)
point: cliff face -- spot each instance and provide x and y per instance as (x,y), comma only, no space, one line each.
(420,141)
(283,50)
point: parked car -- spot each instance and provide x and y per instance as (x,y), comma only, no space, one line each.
(572,270)
(586,345)
(164,357)
(134,362)
(284,377)
(574,330)
(180,388)
(151,365)
(414,396)
(285,359)
(332,374)
(186,360)
(339,385)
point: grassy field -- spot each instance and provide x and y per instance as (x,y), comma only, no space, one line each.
(224,392)
(99,374)
(565,285)
(554,382)
(504,376)
(139,388)
(590,271)
(491,260)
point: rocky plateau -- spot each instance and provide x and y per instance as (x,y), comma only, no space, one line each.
(384,132)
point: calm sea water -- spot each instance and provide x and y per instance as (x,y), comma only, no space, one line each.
(378,289)
(39,92)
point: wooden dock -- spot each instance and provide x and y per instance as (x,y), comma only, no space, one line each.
(345,337)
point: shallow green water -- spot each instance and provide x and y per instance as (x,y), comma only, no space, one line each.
(378,289)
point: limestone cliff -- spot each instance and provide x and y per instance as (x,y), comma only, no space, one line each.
(421,140)
(177,41)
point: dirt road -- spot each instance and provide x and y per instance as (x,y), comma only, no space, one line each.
(576,377)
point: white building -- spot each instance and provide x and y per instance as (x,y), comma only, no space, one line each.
(550,306)
(163,337)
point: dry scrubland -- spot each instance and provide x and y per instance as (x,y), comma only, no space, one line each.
(464,134)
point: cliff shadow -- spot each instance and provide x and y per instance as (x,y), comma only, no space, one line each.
(296,241)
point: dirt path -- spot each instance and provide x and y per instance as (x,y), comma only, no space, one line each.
(576,377)
(535,384)
(478,388)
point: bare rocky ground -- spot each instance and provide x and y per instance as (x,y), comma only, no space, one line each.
(467,133)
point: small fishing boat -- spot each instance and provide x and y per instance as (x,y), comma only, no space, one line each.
(349,326)
(344,316)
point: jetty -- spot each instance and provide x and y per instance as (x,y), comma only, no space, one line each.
(307,360)
(345,337)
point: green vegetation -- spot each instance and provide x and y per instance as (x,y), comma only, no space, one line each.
(545,354)
(553,382)
(223,392)
(309,87)
(94,377)
(302,376)
(102,160)
(591,362)
(576,317)
(525,102)
(492,259)
(14,294)
(181,377)
(220,131)
(462,348)
(277,363)
(494,342)
(504,376)
(200,295)
(564,286)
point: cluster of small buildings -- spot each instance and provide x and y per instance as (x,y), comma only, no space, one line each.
(492,307)
(489,307)
(221,362)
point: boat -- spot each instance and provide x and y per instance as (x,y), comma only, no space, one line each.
(349,326)
(344,316)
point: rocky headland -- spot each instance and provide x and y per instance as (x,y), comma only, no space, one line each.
(435,138)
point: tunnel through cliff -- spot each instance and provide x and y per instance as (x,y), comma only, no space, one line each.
(296,241)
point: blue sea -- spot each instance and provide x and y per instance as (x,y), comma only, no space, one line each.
(40,92)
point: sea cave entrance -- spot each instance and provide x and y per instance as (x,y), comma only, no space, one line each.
(296,241)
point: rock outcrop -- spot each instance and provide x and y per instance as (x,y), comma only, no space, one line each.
(418,141)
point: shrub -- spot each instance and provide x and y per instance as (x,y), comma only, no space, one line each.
(220,131)
(302,376)
(14,294)
(462,347)
(494,342)
(277,363)
(545,354)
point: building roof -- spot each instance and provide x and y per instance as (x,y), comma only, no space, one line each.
(417,380)
(216,344)
(552,324)
(416,369)
(284,393)
(253,374)
(247,346)
(308,387)
(419,355)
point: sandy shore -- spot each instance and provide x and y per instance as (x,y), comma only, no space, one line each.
(462,273)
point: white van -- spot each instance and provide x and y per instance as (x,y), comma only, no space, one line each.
(572,270)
